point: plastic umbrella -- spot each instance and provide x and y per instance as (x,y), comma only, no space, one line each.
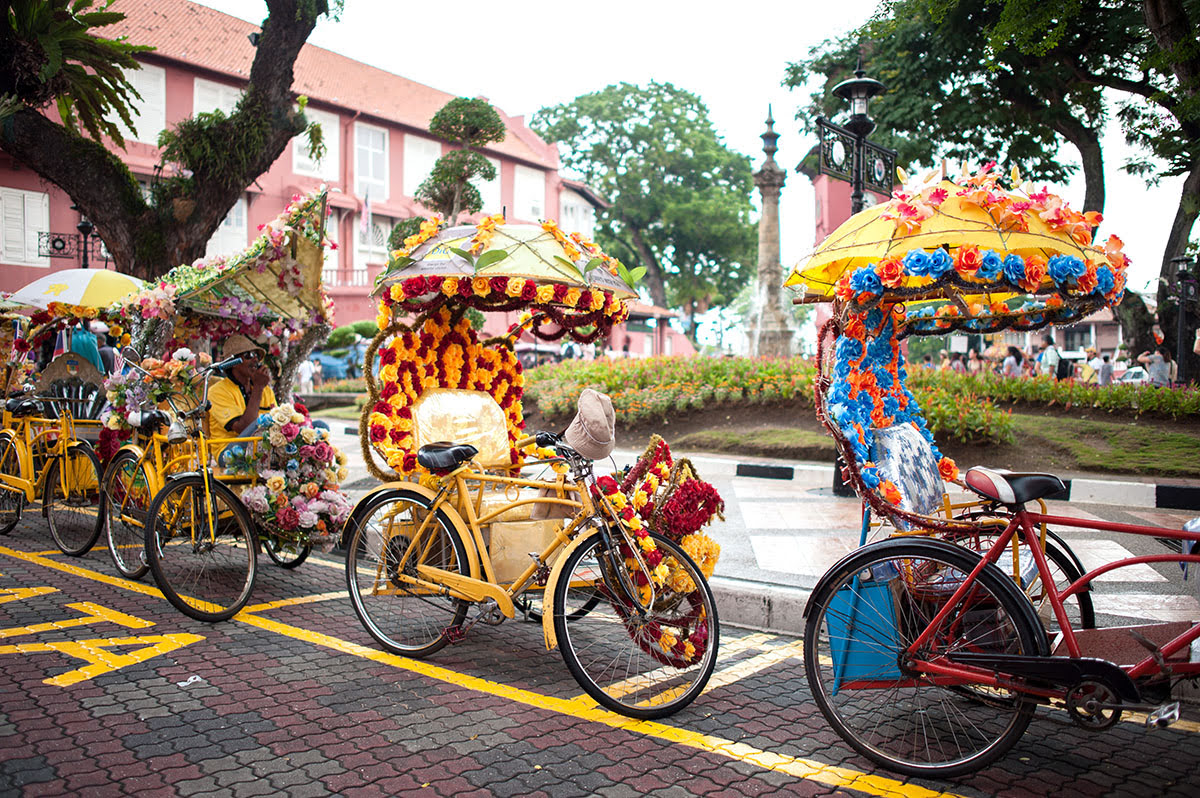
(81,288)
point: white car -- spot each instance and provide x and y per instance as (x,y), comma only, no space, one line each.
(1134,374)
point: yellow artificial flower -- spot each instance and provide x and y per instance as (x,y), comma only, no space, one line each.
(481,286)
(689,650)
(515,286)
(618,500)
(639,499)
(450,286)
(597,300)
(572,297)
(276,483)
(545,294)
(647,543)
(667,640)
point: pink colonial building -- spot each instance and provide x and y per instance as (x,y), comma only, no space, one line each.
(375,126)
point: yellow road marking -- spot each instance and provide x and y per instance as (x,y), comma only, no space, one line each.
(75,570)
(48,553)
(643,680)
(753,665)
(97,614)
(97,653)
(17,593)
(291,602)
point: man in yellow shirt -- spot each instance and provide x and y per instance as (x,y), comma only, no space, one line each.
(238,399)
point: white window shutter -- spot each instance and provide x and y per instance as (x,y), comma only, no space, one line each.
(12,204)
(37,220)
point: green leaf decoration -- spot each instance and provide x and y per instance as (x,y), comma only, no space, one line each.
(490,258)
(571,269)
(592,265)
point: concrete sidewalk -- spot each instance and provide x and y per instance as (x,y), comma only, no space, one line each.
(781,534)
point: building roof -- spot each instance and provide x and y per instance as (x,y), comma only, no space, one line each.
(206,38)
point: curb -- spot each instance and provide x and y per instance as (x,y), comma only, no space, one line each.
(761,606)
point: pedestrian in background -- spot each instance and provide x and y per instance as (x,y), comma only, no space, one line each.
(1012,363)
(974,364)
(1105,372)
(956,363)
(944,362)
(318,372)
(1048,361)
(1158,365)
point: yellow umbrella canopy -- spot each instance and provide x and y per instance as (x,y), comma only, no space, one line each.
(968,250)
(78,289)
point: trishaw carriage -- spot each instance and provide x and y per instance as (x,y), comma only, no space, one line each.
(929,651)
(191,503)
(458,534)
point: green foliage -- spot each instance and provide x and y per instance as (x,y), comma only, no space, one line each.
(403,229)
(49,53)
(341,337)
(680,198)
(468,123)
(367,328)
(476,318)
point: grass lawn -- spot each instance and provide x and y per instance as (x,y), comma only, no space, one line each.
(781,442)
(347,412)
(1138,447)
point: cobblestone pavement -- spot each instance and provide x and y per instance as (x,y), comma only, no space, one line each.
(104,688)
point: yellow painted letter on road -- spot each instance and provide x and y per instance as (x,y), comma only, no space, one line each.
(96,614)
(101,659)
(8,594)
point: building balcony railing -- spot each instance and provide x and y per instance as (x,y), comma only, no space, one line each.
(354,277)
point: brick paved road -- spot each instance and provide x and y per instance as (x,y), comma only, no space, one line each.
(294,698)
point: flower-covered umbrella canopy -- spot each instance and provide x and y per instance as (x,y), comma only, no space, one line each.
(969,254)
(493,266)
(78,289)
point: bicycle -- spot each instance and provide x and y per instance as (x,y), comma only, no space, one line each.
(41,457)
(929,659)
(417,561)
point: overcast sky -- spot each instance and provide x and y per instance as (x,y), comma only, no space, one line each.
(524,56)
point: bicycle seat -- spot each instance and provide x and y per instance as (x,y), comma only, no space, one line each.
(444,456)
(19,406)
(153,420)
(1007,487)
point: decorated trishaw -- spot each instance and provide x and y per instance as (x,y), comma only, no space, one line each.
(51,416)
(192,503)
(614,568)
(929,650)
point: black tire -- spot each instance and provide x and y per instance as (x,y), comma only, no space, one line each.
(73,501)
(206,571)
(12,500)
(616,652)
(127,499)
(380,559)
(888,713)
(285,553)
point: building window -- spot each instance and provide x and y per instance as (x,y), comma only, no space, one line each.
(420,154)
(208,96)
(370,247)
(149,113)
(577,214)
(230,237)
(303,163)
(371,162)
(23,215)
(529,194)
(489,190)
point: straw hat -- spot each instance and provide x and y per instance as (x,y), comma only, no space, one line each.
(592,432)
(238,344)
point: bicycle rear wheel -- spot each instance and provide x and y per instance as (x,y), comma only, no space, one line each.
(862,617)
(73,501)
(12,500)
(285,553)
(127,499)
(643,663)
(390,534)
(200,547)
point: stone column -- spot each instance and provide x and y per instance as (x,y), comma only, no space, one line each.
(770,334)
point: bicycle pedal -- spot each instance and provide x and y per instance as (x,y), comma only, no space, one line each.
(454,634)
(1164,716)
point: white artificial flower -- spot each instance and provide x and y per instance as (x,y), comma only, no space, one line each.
(184,354)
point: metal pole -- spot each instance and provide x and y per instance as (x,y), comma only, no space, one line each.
(856,195)
(85,249)
(1181,278)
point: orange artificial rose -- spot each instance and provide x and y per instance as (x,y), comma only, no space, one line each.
(948,469)
(1035,272)
(481,286)
(890,493)
(891,271)
(967,260)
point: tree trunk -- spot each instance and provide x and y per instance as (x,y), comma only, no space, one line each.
(1176,245)
(655,279)
(1087,141)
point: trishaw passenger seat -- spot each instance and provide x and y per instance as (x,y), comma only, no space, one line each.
(443,456)
(1011,488)
(464,417)
(902,455)
(20,407)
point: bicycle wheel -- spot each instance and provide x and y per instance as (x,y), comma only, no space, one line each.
(862,616)
(73,501)
(530,604)
(390,534)
(285,553)
(200,548)
(643,663)
(12,500)
(127,500)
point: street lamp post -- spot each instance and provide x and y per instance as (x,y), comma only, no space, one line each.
(858,91)
(1184,287)
(86,229)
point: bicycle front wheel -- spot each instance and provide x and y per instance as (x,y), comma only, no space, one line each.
(863,616)
(73,501)
(285,552)
(12,500)
(641,661)
(391,536)
(200,547)
(127,499)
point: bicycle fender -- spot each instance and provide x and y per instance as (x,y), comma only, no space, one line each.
(451,514)
(81,445)
(552,586)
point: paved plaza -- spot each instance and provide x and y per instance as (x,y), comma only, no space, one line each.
(105,689)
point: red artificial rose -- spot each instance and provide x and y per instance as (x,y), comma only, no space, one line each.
(891,271)
(21,345)
(560,291)
(287,516)
(967,260)
(387,356)
(383,407)
(395,435)
(378,433)
(607,484)
(405,412)
(529,292)
(627,513)
(410,462)
(414,286)
(433,282)
(499,285)
(654,558)
(300,408)
(465,290)
(390,390)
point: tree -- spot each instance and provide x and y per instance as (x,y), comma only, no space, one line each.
(680,198)
(51,53)
(468,123)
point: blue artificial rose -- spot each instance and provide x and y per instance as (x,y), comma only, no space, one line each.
(849,349)
(891,405)
(866,281)
(290,448)
(990,267)
(917,263)
(292,465)
(883,379)
(841,369)
(1014,269)
(870,476)
(940,263)
(1066,268)
(1105,281)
